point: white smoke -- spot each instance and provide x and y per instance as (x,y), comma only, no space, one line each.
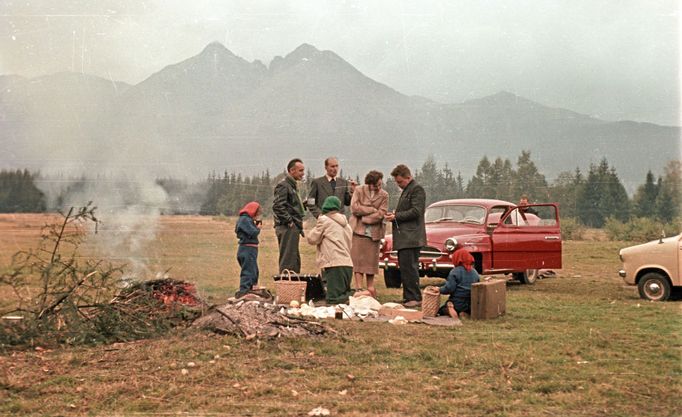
(129,210)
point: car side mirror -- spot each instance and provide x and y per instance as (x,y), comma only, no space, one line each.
(491,227)
(662,236)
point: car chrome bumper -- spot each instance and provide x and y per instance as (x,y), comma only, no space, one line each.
(387,264)
(423,266)
(622,273)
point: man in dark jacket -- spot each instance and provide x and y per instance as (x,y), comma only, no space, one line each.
(329,185)
(409,232)
(288,210)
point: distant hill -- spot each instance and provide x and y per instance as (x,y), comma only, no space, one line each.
(218,111)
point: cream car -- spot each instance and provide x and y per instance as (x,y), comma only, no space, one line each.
(654,267)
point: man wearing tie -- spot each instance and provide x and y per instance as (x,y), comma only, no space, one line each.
(328,185)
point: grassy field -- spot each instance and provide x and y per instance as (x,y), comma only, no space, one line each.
(576,345)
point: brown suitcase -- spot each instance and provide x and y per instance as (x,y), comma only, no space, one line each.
(488,299)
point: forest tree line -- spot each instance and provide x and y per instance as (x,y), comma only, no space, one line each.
(591,197)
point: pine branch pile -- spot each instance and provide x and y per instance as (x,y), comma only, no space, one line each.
(61,297)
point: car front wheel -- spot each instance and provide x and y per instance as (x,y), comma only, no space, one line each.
(528,277)
(654,286)
(392,278)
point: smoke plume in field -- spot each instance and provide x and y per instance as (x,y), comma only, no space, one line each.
(71,128)
(92,162)
(129,209)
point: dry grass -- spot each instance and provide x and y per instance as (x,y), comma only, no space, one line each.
(578,344)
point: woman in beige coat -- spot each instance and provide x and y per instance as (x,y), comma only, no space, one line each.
(368,207)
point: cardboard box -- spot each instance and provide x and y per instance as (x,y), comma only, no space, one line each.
(406,313)
(488,299)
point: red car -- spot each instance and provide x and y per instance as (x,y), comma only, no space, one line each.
(502,237)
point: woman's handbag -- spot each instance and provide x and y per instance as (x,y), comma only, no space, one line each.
(289,287)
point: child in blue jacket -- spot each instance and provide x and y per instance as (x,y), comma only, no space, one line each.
(247,229)
(458,285)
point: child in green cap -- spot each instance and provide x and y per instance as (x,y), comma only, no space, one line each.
(332,235)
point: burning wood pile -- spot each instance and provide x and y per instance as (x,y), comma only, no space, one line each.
(165,302)
(255,319)
(168,291)
(252,317)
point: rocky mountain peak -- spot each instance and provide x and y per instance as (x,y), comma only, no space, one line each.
(309,56)
(304,51)
(216,48)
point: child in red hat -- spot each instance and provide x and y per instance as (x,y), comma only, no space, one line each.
(458,285)
(247,229)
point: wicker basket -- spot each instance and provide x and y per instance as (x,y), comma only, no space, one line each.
(290,288)
(430,301)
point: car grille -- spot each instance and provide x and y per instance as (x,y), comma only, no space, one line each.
(430,252)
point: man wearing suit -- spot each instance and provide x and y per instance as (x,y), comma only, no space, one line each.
(328,185)
(409,232)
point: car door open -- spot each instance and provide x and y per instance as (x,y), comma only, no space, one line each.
(528,237)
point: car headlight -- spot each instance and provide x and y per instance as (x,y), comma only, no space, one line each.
(450,244)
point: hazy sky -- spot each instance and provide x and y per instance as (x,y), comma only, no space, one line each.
(614,59)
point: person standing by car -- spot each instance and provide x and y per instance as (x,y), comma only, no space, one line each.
(288,210)
(523,201)
(409,232)
(332,235)
(368,208)
(328,185)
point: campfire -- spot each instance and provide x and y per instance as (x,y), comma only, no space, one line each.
(168,291)
(246,318)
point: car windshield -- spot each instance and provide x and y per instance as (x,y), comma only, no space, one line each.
(455,213)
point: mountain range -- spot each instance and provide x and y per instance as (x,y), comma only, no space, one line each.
(217,111)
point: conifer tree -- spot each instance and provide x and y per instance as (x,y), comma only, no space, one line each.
(529,180)
(478,186)
(602,196)
(19,193)
(428,177)
(644,201)
(565,189)
(668,200)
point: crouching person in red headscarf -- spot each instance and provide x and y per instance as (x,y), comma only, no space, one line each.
(247,230)
(458,285)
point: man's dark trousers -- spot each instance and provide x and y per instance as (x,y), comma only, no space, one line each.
(408,261)
(289,256)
